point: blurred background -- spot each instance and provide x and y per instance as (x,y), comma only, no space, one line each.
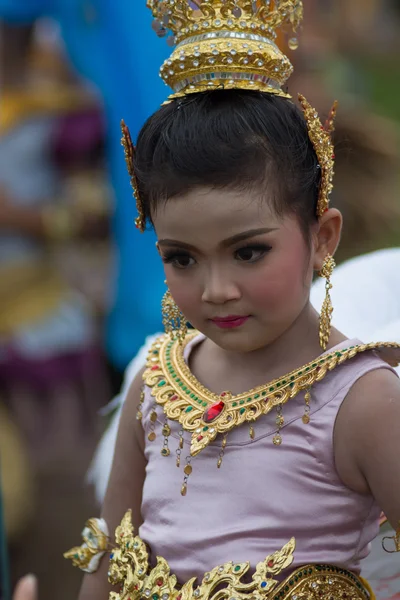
(79,287)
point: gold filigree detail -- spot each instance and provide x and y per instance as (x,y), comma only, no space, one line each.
(129,151)
(87,557)
(129,568)
(226,43)
(185,400)
(325,318)
(321,138)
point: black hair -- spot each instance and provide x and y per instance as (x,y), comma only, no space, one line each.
(230,139)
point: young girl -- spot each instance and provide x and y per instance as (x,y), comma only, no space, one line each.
(284,432)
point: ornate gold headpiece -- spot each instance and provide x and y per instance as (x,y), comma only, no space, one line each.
(227,44)
(321,138)
(230,44)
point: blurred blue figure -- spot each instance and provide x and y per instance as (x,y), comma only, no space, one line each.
(111,43)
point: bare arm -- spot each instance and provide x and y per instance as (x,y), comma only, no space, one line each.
(124,489)
(367,440)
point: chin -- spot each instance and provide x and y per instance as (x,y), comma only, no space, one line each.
(236,340)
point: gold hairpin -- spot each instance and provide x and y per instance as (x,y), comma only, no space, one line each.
(129,150)
(321,139)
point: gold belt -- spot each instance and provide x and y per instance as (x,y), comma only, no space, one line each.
(130,570)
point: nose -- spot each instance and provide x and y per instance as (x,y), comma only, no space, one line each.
(219,287)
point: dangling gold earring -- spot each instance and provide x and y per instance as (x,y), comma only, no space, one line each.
(327,308)
(173,320)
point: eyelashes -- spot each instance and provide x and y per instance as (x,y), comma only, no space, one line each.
(179,259)
(249,253)
(252,252)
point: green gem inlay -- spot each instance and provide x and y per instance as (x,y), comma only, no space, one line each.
(242,410)
(161,383)
(189,408)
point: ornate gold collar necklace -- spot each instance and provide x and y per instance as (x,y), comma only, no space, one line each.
(205,414)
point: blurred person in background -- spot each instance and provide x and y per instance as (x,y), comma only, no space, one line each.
(50,360)
(52,369)
(99,39)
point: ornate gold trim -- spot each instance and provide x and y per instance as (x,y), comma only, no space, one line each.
(185,400)
(95,537)
(129,568)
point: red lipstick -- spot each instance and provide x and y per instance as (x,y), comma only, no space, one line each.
(230,322)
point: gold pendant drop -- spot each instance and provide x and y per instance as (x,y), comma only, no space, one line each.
(280,421)
(306,417)
(179,449)
(153,418)
(252,432)
(166,431)
(188,471)
(139,412)
(222,452)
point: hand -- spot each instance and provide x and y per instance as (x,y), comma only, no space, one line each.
(26,588)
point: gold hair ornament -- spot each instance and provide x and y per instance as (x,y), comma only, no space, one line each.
(129,150)
(130,570)
(95,537)
(321,138)
(231,44)
(226,44)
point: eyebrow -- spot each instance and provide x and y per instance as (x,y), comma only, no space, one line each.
(239,237)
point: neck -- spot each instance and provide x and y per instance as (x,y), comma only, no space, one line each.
(296,346)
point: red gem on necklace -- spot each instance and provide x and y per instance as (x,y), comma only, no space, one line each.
(199,438)
(160,582)
(213,412)
(271,563)
(155,368)
(174,397)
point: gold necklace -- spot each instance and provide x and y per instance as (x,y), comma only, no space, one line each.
(205,414)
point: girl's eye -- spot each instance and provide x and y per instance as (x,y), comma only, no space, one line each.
(251,253)
(180,261)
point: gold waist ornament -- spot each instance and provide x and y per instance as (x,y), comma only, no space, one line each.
(130,570)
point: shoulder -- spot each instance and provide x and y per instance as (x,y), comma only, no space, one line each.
(376,390)
(367,422)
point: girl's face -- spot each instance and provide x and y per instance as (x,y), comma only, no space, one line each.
(239,273)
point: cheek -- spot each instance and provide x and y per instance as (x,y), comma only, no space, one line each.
(282,285)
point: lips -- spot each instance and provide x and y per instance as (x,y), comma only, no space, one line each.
(230,322)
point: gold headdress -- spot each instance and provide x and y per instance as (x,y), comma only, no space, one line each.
(231,44)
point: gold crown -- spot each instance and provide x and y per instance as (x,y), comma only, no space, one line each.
(226,43)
